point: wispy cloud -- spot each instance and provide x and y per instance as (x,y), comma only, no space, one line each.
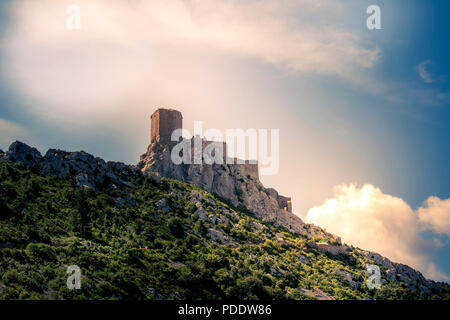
(423,72)
(123,44)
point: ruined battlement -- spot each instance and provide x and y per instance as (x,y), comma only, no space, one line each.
(285,203)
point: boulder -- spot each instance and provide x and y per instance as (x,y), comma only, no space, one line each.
(82,180)
(217,236)
(28,156)
(201,212)
(162,205)
(303,259)
(330,248)
(347,276)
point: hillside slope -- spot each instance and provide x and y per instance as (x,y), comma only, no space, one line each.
(137,238)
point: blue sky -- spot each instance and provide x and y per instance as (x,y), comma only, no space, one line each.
(354,106)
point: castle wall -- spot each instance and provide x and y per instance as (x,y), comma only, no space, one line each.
(285,203)
(247,168)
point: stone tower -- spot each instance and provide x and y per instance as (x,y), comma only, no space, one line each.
(163,123)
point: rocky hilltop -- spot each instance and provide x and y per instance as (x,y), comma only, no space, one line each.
(90,172)
(238,183)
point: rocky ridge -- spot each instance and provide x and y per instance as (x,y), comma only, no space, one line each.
(89,171)
(93,172)
(237,183)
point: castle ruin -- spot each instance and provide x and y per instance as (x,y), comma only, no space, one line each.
(236,182)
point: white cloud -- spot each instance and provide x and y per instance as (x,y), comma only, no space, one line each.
(9,132)
(423,73)
(435,215)
(129,49)
(368,218)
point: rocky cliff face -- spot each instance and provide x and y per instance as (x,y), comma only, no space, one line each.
(89,171)
(230,182)
(237,183)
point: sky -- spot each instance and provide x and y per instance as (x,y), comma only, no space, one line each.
(363,114)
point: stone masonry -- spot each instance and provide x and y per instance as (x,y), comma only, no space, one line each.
(163,123)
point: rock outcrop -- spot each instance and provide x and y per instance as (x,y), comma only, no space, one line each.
(233,181)
(355,285)
(89,171)
(237,183)
(400,272)
(20,152)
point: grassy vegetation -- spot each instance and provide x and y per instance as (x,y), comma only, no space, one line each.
(156,246)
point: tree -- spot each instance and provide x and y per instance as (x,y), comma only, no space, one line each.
(175,226)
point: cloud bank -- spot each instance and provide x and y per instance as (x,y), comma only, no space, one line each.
(368,218)
(126,50)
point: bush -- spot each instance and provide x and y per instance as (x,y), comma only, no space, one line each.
(175,226)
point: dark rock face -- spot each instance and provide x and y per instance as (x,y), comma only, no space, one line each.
(28,156)
(89,171)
